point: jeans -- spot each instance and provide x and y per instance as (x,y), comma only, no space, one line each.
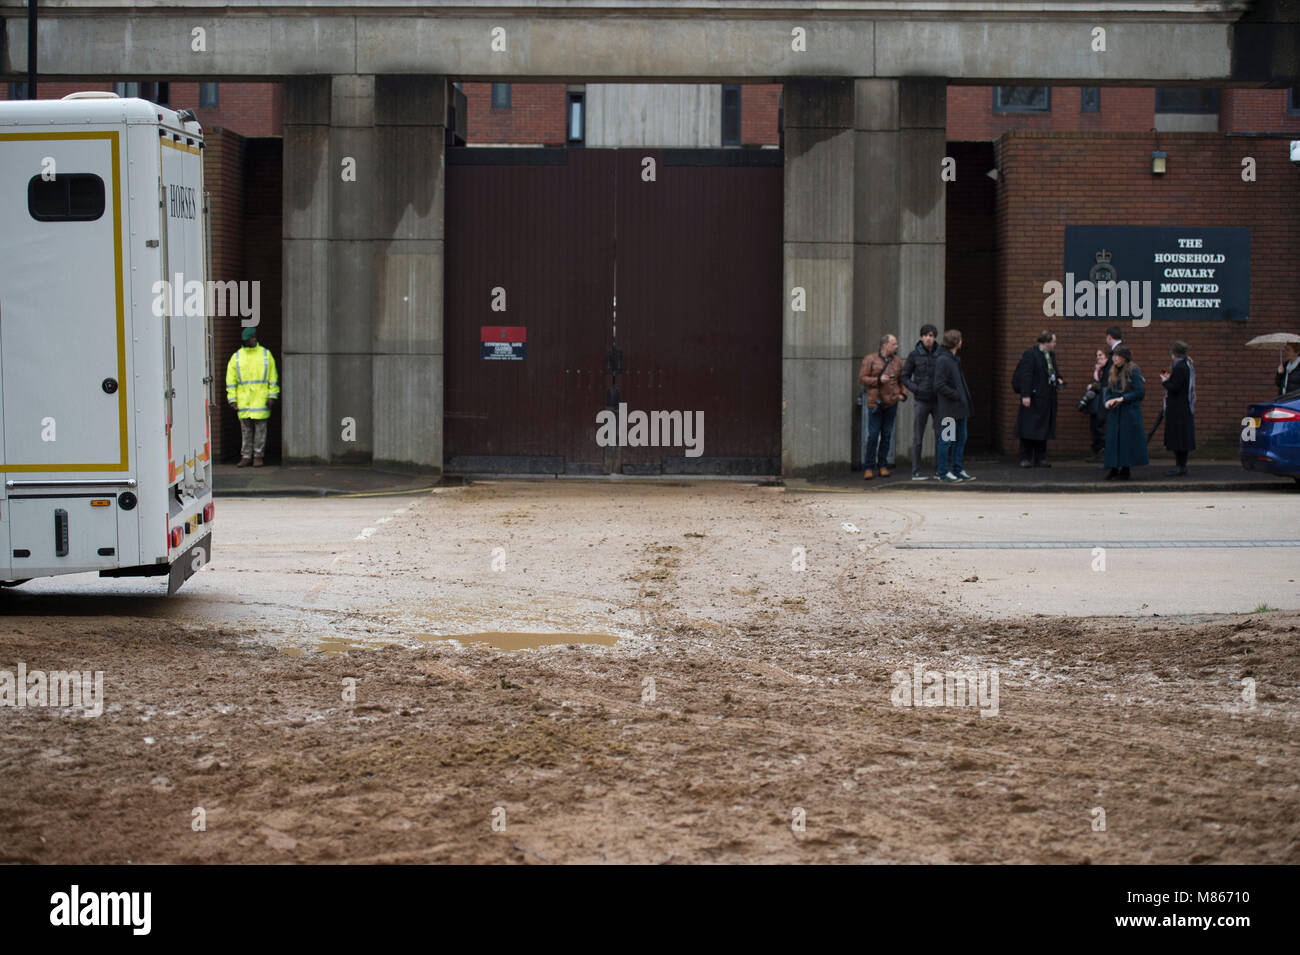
(878,425)
(950,452)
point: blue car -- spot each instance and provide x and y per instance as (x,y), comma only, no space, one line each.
(1270,436)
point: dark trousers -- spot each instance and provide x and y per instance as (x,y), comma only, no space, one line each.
(1033,450)
(1097,425)
(1180,458)
(925,411)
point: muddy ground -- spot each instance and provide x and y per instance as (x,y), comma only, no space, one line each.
(741,689)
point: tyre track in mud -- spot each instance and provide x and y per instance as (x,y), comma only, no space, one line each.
(657,615)
(789,736)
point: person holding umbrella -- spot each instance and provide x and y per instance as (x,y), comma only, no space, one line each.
(1180,406)
(1126,445)
(1288,371)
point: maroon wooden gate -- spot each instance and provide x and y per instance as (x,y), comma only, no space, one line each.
(634,296)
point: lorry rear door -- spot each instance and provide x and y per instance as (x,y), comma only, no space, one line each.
(181,165)
(62,308)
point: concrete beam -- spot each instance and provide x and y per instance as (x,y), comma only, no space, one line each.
(1147,43)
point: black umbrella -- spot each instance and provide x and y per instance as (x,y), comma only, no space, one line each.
(1159,418)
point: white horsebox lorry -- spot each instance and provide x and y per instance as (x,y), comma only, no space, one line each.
(105,370)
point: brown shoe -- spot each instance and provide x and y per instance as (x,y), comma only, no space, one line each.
(243,462)
(884,472)
(868,475)
(257,462)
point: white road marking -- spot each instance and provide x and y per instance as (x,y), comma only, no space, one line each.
(365,533)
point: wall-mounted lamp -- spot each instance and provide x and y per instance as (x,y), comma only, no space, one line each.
(1158,158)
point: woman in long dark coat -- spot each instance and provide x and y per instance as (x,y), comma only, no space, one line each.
(1126,441)
(1180,406)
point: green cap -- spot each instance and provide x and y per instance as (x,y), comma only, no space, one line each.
(248,332)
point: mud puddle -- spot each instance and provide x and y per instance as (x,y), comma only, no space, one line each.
(504,640)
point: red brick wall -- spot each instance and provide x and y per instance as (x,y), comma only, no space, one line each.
(251,109)
(759,107)
(1050,180)
(47,90)
(223,178)
(971,115)
(1256,111)
(243,177)
(536,114)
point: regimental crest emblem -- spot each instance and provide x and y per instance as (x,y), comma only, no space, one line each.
(1103,271)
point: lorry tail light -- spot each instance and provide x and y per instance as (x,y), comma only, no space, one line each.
(208,511)
(1281,414)
(100,502)
(178,535)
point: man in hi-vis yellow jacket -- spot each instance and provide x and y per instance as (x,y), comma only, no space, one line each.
(252,383)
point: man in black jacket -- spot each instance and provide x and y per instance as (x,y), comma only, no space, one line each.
(953,406)
(918,378)
(1036,382)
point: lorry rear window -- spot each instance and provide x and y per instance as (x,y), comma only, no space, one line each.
(69,197)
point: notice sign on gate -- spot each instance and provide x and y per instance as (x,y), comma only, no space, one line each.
(503,342)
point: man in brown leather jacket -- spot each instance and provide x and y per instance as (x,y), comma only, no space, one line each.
(881,374)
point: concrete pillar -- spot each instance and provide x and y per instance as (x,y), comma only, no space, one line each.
(900,230)
(864,239)
(407,262)
(817,357)
(304,371)
(363,220)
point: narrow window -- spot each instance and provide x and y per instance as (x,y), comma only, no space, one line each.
(69,197)
(577,120)
(731,115)
(500,95)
